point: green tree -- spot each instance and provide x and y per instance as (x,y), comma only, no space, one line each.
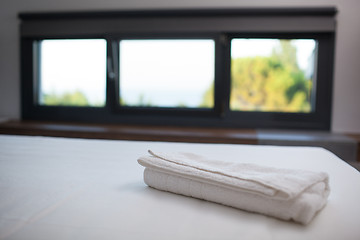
(273,83)
(141,101)
(208,97)
(76,98)
(285,53)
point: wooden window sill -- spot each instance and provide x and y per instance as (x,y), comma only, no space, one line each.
(129,132)
(346,146)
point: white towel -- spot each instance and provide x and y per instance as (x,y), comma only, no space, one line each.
(288,194)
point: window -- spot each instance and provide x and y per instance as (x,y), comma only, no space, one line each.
(72,72)
(166,73)
(258,68)
(272,75)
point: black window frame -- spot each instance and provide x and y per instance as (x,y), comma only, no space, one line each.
(41,26)
(320,106)
(169,111)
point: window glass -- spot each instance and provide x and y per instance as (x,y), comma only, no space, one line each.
(272,75)
(72,72)
(167,73)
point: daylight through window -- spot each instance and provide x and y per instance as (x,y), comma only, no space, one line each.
(248,68)
(72,72)
(167,73)
(272,75)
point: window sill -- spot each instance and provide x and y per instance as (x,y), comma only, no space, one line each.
(129,132)
(346,146)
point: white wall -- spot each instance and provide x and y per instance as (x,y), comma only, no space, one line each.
(346,97)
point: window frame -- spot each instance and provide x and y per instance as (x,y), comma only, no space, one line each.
(322,110)
(168,111)
(37,62)
(31,109)
(31,32)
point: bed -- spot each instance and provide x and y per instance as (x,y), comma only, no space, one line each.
(64,188)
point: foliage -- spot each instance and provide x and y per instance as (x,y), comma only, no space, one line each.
(208,98)
(140,102)
(75,98)
(272,83)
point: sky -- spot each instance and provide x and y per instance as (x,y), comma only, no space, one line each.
(169,72)
(264,47)
(68,65)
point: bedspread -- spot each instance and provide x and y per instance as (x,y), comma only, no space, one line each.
(59,188)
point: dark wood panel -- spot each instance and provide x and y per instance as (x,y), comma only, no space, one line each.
(138,133)
(130,132)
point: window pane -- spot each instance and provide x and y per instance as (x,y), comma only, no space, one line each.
(72,72)
(167,73)
(272,75)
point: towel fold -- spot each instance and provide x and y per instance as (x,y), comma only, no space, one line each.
(288,194)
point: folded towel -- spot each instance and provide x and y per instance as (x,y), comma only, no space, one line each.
(288,194)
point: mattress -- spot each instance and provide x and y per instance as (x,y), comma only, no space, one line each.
(62,188)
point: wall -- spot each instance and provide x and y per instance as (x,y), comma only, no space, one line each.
(346,97)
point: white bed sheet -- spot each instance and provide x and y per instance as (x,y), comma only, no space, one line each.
(58,188)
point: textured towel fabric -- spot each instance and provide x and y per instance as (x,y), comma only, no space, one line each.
(288,194)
